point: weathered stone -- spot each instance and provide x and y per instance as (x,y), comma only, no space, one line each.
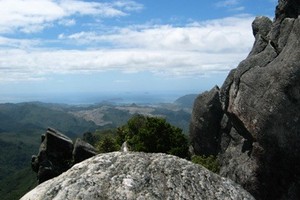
(261,25)
(121,175)
(82,150)
(56,155)
(58,145)
(260,129)
(262,100)
(205,123)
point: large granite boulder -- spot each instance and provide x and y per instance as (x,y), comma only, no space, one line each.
(260,131)
(121,175)
(57,154)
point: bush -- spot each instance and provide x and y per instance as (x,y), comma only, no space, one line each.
(107,144)
(153,134)
(209,162)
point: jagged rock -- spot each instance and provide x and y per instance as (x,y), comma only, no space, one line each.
(82,150)
(56,155)
(205,123)
(262,100)
(260,132)
(121,175)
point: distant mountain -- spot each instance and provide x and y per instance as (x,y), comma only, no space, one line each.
(22,124)
(186,101)
(20,128)
(36,116)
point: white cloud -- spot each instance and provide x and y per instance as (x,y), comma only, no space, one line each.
(192,50)
(35,15)
(8,43)
(232,33)
(230,5)
(171,63)
(128,5)
(227,3)
(67,22)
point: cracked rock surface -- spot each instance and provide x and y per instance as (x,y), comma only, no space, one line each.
(121,175)
(259,134)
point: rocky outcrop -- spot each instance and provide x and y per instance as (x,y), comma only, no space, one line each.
(205,123)
(260,131)
(121,175)
(82,150)
(57,154)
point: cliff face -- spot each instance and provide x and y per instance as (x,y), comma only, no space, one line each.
(259,135)
(121,175)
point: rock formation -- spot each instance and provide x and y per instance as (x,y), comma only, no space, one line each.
(206,116)
(121,175)
(259,137)
(57,154)
(82,150)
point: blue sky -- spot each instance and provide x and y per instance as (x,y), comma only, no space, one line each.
(52,47)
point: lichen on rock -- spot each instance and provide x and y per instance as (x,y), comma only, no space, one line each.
(133,175)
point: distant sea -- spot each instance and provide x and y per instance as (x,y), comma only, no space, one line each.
(96,98)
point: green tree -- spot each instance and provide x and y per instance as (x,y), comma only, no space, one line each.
(153,134)
(107,144)
(89,138)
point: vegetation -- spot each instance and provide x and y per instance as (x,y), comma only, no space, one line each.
(153,134)
(180,118)
(17,184)
(209,162)
(142,133)
(107,144)
(21,126)
(15,155)
(22,117)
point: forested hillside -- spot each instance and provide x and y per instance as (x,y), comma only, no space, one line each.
(21,126)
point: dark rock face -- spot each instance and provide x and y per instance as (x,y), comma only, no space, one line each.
(56,155)
(82,151)
(260,132)
(205,123)
(132,175)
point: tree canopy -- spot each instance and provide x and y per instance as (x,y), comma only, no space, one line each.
(153,134)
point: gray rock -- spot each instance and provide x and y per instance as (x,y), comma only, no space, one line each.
(54,157)
(82,150)
(261,98)
(259,145)
(205,123)
(261,25)
(121,175)
(125,147)
(57,154)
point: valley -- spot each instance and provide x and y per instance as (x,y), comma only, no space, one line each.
(22,124)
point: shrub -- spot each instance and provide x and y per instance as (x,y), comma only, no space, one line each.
(107,144)
(153,134)
(209,162)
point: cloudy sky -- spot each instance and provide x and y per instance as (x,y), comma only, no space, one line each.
(52,47)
